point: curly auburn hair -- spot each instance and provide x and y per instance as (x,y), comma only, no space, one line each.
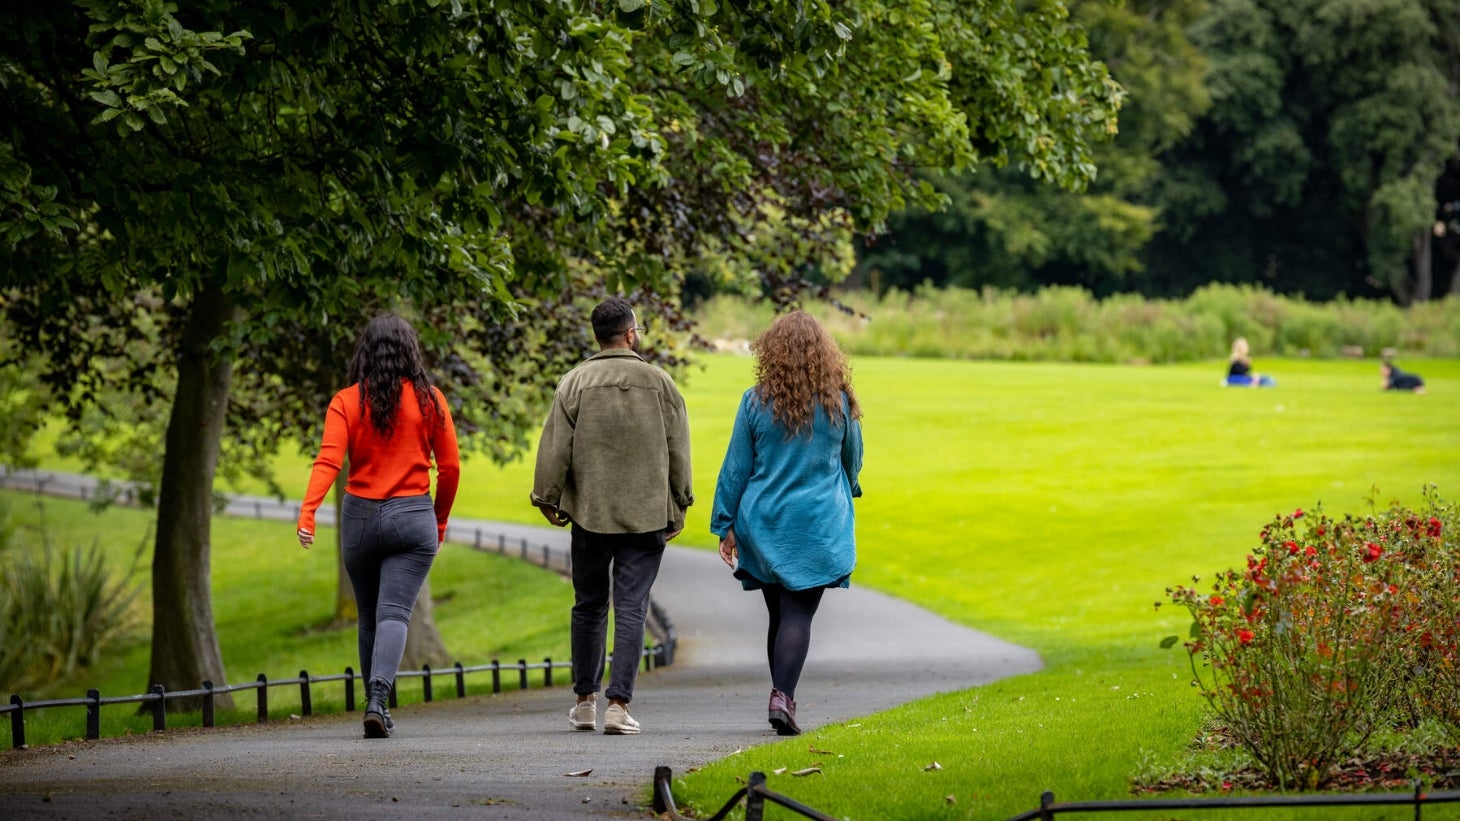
(388,352)
(797,366)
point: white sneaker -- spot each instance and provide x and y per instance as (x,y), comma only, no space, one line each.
(583,715)
(617,721)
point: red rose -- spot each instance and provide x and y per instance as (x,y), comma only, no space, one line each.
(1372,552)
(1310,550)
(1217,601)
(1292,547)
(1298,514)
(1434,528)
(1244,636)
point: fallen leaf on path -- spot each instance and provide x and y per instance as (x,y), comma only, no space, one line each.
(578,773)
(807,771)
(813,749)
(778,771)
(950,799)
(934,766)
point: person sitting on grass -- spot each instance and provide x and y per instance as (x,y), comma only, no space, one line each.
(1239,368)
(1398,380)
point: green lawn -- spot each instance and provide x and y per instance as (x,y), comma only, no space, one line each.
(1051,505)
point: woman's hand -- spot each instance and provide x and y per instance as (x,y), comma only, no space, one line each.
(728,552)
(306,538)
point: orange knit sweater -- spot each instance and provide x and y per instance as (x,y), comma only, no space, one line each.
(385,467)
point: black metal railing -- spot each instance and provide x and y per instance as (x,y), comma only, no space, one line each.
(1048,809)
(756,794)
(157,699)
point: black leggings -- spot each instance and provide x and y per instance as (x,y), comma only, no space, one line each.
(789,636)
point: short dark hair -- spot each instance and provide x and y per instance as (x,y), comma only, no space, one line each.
(612,317)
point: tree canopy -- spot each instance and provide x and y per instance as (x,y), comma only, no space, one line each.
(1311,147)
(202,204)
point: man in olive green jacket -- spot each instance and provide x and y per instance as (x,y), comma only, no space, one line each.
(614,462)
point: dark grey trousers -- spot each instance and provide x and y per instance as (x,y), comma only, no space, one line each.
(620,566)
(388,547)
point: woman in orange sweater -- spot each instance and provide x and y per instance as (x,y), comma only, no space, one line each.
(388,424)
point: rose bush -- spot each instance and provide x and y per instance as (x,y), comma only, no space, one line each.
(1333,629)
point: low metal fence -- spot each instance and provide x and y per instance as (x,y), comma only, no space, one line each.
(1048,809)
(756,794)
(157,699)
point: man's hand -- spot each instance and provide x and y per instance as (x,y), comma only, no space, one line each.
(554,516)
(728,551)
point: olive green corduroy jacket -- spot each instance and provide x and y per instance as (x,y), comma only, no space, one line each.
(614,453)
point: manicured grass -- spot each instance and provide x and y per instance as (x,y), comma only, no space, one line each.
(1052,505)
(271,605)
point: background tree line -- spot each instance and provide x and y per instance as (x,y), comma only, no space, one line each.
(1308,146)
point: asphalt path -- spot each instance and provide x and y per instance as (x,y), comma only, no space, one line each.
(509,756)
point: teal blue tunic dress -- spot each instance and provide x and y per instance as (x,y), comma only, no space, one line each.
(790,498)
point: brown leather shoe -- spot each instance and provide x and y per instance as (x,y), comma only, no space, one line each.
(783,714)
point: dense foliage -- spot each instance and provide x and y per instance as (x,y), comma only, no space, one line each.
(1311,147)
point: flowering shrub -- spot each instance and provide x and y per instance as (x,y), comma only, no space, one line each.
(1335,628)
(1428,546)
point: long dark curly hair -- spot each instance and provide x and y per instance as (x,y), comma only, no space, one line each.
(797,366)
(389,351)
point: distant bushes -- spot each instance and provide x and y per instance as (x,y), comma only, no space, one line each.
(1068,324)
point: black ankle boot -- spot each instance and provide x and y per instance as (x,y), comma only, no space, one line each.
(377,719)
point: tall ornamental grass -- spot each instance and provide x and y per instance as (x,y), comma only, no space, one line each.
(59,611)
(1069,325)
(1335,630)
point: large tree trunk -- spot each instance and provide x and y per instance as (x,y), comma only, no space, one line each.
(423,641)
(347,610)
(1424,266)
(184,644)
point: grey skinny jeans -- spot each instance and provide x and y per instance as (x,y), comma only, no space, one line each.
(622,566)
(388,545)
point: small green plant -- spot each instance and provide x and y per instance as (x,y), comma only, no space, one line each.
(58,611)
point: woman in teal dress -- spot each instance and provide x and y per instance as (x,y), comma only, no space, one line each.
(783,500)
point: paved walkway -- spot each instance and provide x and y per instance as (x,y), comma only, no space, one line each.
(505,757)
